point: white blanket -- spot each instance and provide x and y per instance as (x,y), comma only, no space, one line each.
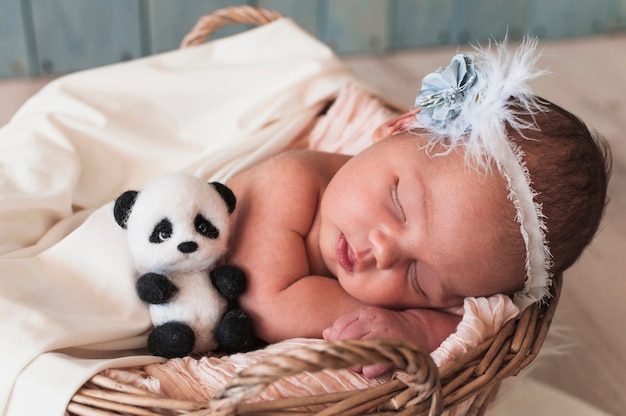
(67,304)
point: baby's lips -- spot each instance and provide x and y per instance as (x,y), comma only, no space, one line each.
(344,256)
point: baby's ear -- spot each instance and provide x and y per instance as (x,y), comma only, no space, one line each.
(396,125)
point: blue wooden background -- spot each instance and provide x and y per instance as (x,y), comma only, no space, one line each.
(57,36)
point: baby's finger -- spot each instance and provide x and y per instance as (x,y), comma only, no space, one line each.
(376,370)
(345,327)
(326,333)
(357,368)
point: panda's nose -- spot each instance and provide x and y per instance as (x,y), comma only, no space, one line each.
(187,247)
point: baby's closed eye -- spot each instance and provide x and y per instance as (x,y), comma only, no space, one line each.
(412,275)
(396,201)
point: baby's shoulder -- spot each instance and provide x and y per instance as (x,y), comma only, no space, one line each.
(285,188)
(291,166)
(290,174)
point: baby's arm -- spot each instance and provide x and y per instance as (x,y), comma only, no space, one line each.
(286,295)
(427,328)
(302,309)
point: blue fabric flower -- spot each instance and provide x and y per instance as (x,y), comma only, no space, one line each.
(444,91)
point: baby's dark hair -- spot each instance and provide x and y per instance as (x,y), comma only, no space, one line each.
(570,169)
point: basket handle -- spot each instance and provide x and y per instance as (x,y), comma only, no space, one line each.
(209,23)
(418,387)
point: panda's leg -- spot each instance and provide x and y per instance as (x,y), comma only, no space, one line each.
(171,340)
(234,333)
(155,289)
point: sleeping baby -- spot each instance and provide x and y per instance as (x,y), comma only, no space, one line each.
(483,188)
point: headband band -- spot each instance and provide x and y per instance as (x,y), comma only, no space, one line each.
(471,105)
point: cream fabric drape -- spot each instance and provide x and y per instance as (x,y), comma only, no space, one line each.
(67,303)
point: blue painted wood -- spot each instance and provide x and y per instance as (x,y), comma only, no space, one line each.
(171,20)
(618,19)
(53,36)
(357,26)
(420,23)
(562,18)
(13,52)
(304,13)
(75,34)
(478,21)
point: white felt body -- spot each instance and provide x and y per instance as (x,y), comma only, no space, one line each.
(197,303)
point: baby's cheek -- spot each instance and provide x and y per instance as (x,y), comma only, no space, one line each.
(366,293)
(352,286)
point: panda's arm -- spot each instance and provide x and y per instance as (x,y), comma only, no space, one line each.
(155,289)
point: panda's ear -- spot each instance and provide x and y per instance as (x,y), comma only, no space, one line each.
(227,195)
(123,205)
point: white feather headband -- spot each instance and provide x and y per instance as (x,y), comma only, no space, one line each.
(471,105)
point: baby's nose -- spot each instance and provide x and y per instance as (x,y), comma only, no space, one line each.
(385,248)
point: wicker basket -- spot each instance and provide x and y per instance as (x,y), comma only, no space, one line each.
(419,389)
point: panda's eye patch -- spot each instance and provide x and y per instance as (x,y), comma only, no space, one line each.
(161,232)
(205,227)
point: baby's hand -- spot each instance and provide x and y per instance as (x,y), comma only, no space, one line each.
(369,323)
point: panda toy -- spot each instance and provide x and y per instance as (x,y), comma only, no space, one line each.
(178,229)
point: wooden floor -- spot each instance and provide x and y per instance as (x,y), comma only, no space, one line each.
(589,79)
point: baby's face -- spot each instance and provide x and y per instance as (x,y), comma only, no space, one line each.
(402,229)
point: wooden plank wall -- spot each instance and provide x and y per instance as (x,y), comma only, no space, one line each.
(39,37)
